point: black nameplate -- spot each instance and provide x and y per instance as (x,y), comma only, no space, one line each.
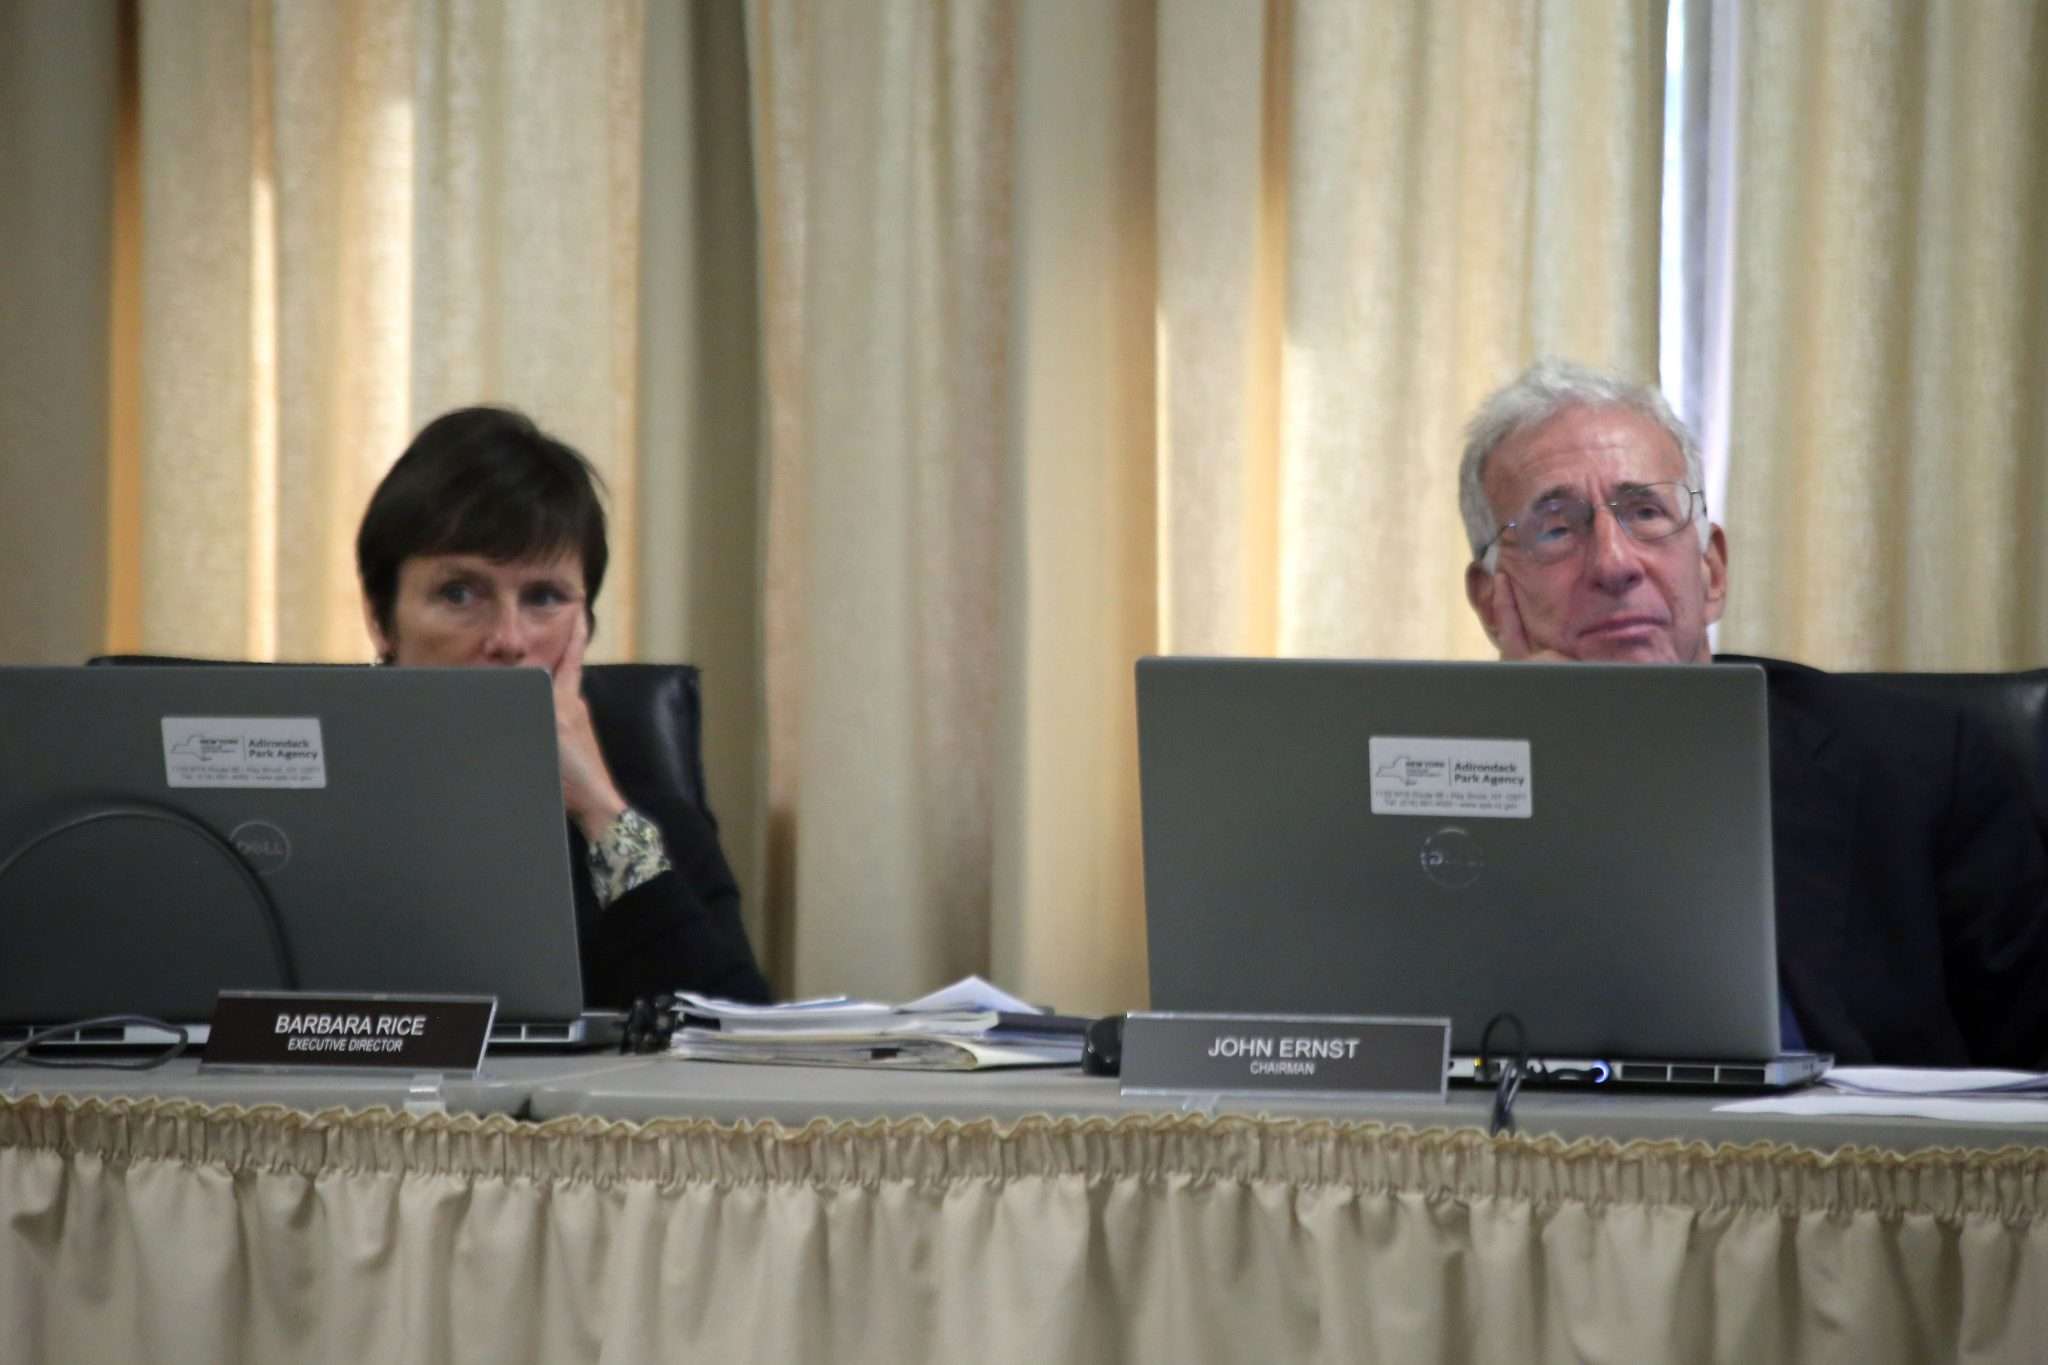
(1286,1053)
(396,1032)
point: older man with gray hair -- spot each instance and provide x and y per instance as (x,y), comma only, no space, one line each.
(1556,580)
(1911,880)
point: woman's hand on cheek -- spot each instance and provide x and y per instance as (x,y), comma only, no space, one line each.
(592,798)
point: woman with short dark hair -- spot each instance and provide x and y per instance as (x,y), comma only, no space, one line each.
(485,545)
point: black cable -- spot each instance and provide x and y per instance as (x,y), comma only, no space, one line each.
(267,915)
(174,1048)
(137,810)
(1513,1068)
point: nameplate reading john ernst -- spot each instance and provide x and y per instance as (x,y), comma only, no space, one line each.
(444,1033)
(1285,1053)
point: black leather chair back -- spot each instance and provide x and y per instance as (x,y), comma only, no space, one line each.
(649,721)
(648,717)
(2013,708)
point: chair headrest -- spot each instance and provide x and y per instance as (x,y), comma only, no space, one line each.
(2012,707)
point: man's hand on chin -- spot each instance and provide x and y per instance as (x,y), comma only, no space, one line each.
(1513,640)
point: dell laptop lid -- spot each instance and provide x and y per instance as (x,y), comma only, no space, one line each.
(169,832)
(1585,847)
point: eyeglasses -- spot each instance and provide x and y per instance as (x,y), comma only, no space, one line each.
(1556,528)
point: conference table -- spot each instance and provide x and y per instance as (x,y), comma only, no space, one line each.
(637,1208)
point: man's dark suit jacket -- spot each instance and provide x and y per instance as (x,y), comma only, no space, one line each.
(1912,885)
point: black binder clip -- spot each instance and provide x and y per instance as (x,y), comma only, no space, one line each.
(650,1024)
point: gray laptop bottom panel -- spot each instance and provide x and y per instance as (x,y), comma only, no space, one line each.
(1772,1073)
(1586,847)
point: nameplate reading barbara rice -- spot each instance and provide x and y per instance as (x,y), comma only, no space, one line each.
(1285,1053)
(384,1032)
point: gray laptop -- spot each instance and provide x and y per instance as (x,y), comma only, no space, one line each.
(169,832)
(1586,847)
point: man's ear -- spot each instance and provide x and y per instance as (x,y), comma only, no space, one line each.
(1481,590)
(1715,556)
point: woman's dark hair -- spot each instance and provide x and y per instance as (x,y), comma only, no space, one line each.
(480,481)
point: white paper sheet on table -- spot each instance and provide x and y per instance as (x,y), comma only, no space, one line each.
(1953,1082)
(973,993)
(1957,1094)
(823,1007)
(1823,1103)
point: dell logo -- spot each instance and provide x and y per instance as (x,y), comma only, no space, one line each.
(1451,858)
(263,846)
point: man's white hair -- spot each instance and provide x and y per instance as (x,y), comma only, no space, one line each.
(1535,396)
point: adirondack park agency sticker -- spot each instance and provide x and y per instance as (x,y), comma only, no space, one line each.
(244,751)
(1487,779)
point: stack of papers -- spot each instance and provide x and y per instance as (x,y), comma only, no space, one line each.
(968,1026)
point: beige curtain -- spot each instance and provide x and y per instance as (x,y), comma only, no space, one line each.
(355,216)
(59,74)
(884,154)
(1371,214)
(167,1231)
(1028,339)
(1097,330)
(1888,469)
(701,491)
(981,348)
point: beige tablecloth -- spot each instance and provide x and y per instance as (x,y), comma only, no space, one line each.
(169,1231)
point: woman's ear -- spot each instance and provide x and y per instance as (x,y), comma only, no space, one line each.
(387,648)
